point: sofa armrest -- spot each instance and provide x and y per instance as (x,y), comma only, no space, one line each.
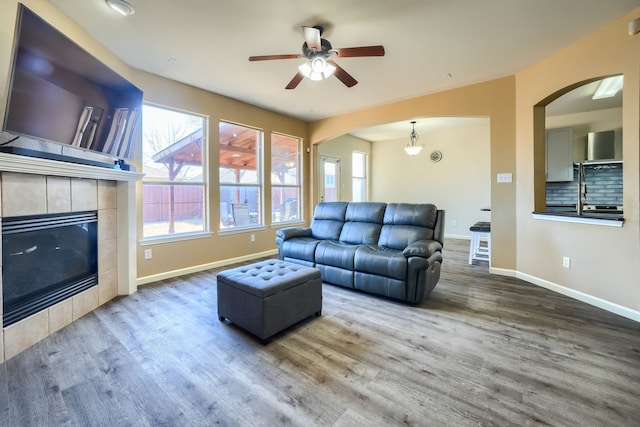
(289,233)
(422,248)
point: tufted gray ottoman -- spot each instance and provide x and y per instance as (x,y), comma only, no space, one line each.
(267,297)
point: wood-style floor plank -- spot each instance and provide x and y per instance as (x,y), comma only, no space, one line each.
(482,350)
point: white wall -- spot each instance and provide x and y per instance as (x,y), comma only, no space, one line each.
(342,148)
(460,183)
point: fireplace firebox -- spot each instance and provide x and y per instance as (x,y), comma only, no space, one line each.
(46,259)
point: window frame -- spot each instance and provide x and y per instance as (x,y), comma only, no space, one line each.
(205,184)
(299,185)
(260,182)
(364,178)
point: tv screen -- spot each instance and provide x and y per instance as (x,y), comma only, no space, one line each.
(60,93)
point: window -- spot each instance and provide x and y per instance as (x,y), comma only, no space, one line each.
(578,123)
(240,176)
(286,184)
(359,176)
(174,185)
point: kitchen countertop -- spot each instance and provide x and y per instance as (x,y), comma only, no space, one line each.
(573,214)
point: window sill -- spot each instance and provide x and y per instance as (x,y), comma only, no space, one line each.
(288,224)
(174,238)
(237,230)
(593,219)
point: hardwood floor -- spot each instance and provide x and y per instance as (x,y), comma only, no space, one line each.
(482,350)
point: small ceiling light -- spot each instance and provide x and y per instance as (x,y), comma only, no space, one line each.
(412,148)
(608,87)
(121,7)
(317,68)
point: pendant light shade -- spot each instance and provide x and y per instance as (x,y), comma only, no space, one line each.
(413,149)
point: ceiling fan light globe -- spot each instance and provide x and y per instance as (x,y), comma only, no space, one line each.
(316,69)
(305,69)
(328,70)
(318,64)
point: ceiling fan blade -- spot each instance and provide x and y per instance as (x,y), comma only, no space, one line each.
(312,37)
(343,76)
(347,52)
(270,57)
(295,81)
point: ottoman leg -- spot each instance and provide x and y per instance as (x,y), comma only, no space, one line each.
(221,318)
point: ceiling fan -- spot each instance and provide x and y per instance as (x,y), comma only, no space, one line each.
(320,54)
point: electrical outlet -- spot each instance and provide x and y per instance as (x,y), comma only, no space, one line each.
(505,177)
(566,262)
(253,237)
(148,254)
(454,223)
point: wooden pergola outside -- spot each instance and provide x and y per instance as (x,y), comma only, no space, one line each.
(238,151)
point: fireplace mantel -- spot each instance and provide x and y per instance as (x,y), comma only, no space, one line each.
(39,166)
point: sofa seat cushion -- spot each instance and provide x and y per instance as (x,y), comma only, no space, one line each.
(379,285)
(336,276)
(336,254)
(302,248)
(381,261)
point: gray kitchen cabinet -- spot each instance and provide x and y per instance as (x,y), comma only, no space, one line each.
(559,155)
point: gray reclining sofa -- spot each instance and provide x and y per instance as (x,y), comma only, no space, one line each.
(393,250)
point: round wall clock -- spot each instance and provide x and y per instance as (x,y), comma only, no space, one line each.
(436,156)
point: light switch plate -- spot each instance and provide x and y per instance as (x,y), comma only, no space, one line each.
(505,177)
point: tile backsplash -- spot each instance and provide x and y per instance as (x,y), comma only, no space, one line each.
(604,186)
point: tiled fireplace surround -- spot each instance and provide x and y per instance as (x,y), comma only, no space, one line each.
(30,186)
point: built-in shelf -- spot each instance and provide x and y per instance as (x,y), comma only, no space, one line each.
(34,165)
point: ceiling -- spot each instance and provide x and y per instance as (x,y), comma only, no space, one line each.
(431,45)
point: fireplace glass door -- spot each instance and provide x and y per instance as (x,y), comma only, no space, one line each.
(46,259)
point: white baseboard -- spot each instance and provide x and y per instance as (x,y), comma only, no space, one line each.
(572,293)
(196,268)
(503,272)
(457,236)
(581,296)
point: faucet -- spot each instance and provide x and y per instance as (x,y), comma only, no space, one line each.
(582,189)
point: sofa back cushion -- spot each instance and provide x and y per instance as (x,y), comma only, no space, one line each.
(328,219)
(405,223)
(363,223)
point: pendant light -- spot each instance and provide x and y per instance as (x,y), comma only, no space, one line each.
(412,148)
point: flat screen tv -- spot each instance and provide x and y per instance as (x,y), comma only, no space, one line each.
(60,93)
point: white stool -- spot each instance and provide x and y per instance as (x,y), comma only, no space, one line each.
(480,230)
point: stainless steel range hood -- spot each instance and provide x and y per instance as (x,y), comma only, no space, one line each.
(601,145)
